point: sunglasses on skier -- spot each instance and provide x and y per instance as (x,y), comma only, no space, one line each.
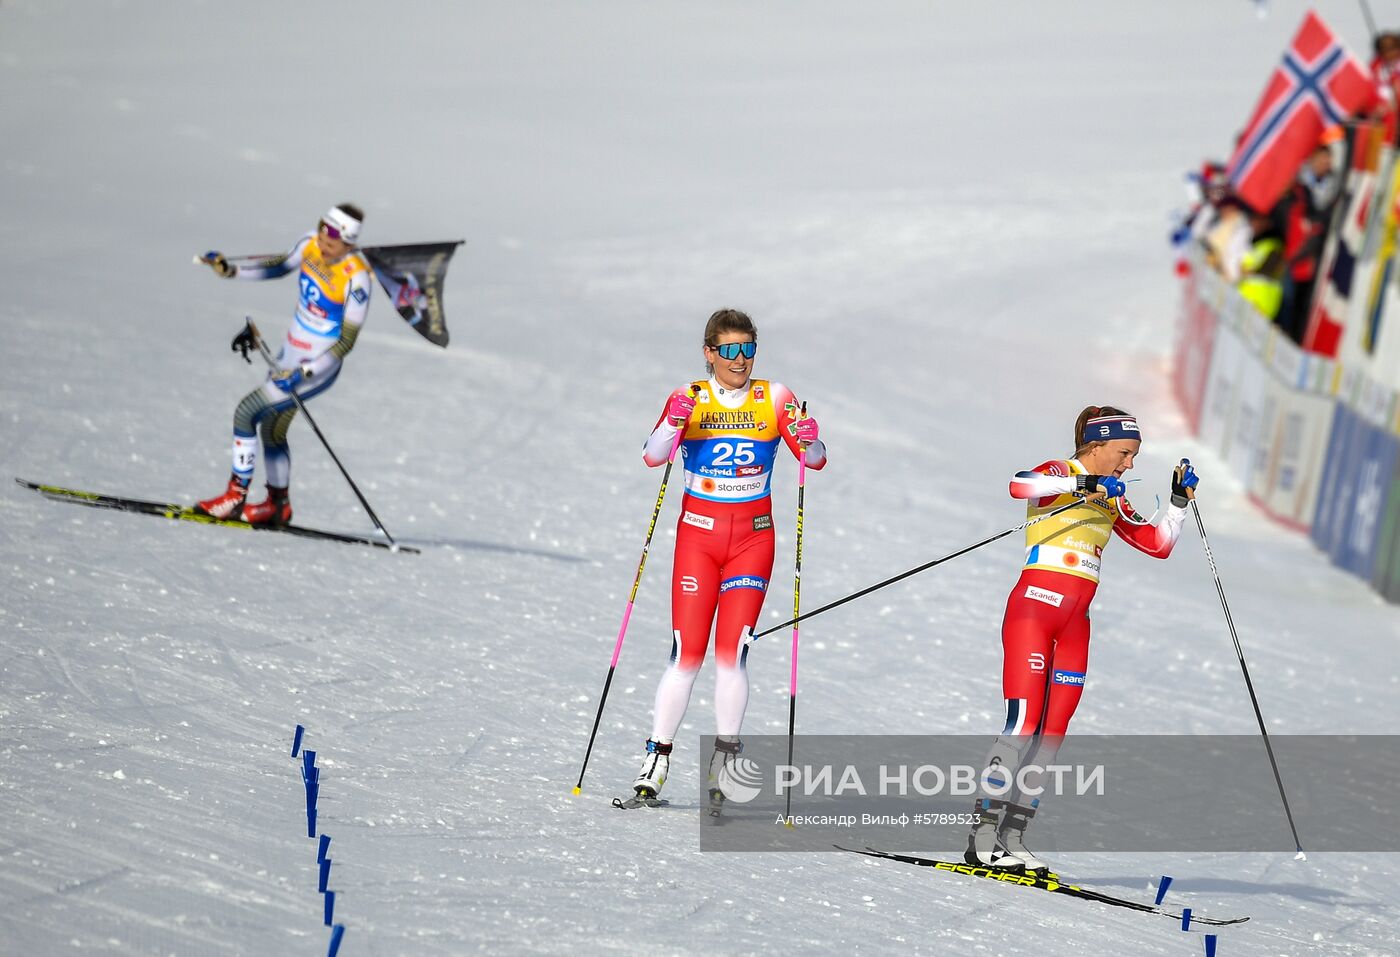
(331,231)
(732,350)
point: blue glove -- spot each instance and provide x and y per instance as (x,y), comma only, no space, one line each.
(1110,485)
(289,379)
(1184,482)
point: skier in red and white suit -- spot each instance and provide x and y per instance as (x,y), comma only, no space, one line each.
(1045,633)
(733,425)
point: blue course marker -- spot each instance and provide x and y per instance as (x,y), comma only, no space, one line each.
(296,740)
(308,764)
(1186,919)
(330,906)
(325,875)
(325,846)
(1162,888)
(1210,945)
(337,932)
(311,822)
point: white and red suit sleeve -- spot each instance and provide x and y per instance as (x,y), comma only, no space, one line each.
(1044,483)
(657,450)
(789,410)
(1155,540)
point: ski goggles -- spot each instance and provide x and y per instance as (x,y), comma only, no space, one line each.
(732,350)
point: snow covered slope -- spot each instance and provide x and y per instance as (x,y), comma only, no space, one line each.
(950,226)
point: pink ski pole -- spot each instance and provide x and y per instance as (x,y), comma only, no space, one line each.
(631,599)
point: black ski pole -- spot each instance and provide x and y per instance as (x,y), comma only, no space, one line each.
(924,567)
(796,615)
(1239,652)
(272,364)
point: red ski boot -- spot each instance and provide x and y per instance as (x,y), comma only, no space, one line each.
(276,509)
(228,505)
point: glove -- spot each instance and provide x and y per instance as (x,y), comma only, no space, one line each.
(244,342)
(1184,482)
(219,264)
(1110,485)
(289,379)
(679,409)
(805,430)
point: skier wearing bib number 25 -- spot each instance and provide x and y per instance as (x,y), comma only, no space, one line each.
(335,283)
(732,426)
(1045,634)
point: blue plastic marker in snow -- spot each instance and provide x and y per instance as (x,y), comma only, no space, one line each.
(1162,888)
(330,906)
(311,822)
(1186,919)
(337,932)
(325,846)
(308,764)
(1210,945)
(296,740)
(325,875)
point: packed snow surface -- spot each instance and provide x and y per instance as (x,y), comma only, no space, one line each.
(949,222)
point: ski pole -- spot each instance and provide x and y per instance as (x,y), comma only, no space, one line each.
(796,615)
(1239,652)
(631,599)
(924,567)
(272,364)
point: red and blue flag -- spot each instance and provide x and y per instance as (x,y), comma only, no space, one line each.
(1319,84)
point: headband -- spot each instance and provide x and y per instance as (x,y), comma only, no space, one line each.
(1106,428)
(347,225)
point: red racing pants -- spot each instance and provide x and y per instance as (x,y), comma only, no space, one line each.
(724,556)
(1045,647)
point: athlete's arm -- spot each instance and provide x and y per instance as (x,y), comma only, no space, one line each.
(657,450)
(356,308)
(788,409)
(1046,480)
(1155,540)
(277,266)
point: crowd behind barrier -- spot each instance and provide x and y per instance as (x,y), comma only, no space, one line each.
(1288,348)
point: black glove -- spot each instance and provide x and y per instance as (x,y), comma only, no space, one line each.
(219,264)
(243,342)
(1184,482)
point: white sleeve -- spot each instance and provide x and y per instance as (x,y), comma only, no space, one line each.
(277,266)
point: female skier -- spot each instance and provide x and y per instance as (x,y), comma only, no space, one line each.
(335,281)
(724,541)
(1045,633)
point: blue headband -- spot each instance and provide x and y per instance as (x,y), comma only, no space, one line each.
(1106,428)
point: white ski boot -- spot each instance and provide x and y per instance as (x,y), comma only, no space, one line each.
(1013,831)
(984,846)
(726,750)
(654,770)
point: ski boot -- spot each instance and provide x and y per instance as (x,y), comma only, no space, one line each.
(721,762)
(984,846)
(229,505)
(649,781)
(276,509)
(1012,834)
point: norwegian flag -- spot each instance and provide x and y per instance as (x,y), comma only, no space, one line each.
(1318,84)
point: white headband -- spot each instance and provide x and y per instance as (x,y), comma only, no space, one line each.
(344,223)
